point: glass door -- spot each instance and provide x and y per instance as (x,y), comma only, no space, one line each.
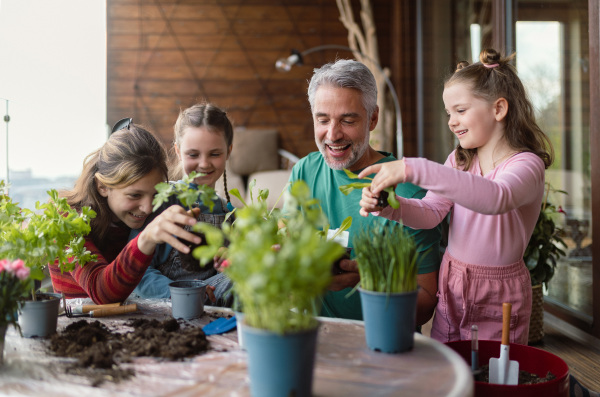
(553,61)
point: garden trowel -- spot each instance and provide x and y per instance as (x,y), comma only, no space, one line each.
(502,370)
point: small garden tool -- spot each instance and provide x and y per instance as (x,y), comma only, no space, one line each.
(502,370)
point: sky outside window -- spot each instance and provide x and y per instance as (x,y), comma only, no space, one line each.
(53,73)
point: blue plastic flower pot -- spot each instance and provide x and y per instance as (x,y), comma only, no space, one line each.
(187,298)
(280,365)
(39,318)
(390,320)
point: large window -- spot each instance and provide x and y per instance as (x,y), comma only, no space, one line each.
(53,89)
(557,74)
(552,42)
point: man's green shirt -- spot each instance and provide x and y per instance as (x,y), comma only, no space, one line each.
(324,184)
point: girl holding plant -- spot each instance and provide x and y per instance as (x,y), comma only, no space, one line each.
(203,143)
(493,183)
(118,182)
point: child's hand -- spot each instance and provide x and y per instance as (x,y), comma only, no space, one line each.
(388,174)
(166,228)
(369,202)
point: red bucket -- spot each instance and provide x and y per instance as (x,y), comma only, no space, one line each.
(531,359)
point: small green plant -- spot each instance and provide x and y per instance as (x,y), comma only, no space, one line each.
(387,258)
(280,264)
(387,194)
(543,250)
(186,191)
(53,232)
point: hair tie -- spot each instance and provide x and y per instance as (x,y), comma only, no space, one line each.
(493,65)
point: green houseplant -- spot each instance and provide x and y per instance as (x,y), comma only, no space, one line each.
(280,265)
(54,232)
(387,262)
(541,258)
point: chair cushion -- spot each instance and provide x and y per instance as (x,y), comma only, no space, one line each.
(254,150)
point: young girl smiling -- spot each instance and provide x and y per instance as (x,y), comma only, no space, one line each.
(492,185)
(118,182)
(203,143)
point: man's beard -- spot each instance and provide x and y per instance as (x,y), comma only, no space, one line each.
(357,151)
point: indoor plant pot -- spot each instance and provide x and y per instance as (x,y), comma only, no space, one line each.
(390,320)
(280,266)
(38,318)
(541,256)
(387,263)
(187,298)
(54,232)
(530,359)
(279,364)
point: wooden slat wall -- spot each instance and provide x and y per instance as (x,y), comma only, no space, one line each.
(165,55)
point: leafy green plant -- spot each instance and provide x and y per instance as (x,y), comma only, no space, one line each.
(543,250)
(186,191)
(387,258)
(53,232)
(387,194)
(280,264)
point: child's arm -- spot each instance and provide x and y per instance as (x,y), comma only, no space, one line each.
(388,174)
(517,182)
(108,282)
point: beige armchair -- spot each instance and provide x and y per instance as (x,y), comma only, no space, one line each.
(256,155)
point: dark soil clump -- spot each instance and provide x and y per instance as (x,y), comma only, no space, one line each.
(97,348)
(525,378)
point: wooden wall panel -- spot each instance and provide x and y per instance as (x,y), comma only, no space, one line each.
(165,55)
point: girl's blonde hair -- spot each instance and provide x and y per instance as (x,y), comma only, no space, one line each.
(495,77)
(210,117)
(127,156)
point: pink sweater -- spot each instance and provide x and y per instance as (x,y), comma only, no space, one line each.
(493,216)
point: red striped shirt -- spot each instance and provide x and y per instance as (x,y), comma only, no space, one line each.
(112,277)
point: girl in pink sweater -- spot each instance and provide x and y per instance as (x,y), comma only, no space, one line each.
(492,184)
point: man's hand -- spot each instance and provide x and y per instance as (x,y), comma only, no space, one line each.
(348,278)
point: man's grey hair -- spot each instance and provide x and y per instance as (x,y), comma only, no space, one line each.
(345,73)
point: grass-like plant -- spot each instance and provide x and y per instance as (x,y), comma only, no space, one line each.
(387,258)
(280,264)
(53,232)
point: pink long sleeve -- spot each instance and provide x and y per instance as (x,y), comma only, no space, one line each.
(493,216)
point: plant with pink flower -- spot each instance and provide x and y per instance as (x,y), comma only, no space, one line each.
(14,285)
(31,239)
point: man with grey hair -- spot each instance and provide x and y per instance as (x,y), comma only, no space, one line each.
(343,101)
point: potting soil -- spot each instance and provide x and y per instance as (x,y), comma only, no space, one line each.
(525,378)
(100,351)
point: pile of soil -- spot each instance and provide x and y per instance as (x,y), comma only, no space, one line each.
(525,378)
(99,351)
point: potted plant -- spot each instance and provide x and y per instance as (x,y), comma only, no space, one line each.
(14,283)
(387,262)
(541,257)
(54,232)
(280,264)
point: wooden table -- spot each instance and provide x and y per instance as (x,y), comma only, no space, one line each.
(344,366)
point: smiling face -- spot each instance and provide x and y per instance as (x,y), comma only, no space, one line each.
(203,151)
(342,127)
(132,204)
(475,121)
